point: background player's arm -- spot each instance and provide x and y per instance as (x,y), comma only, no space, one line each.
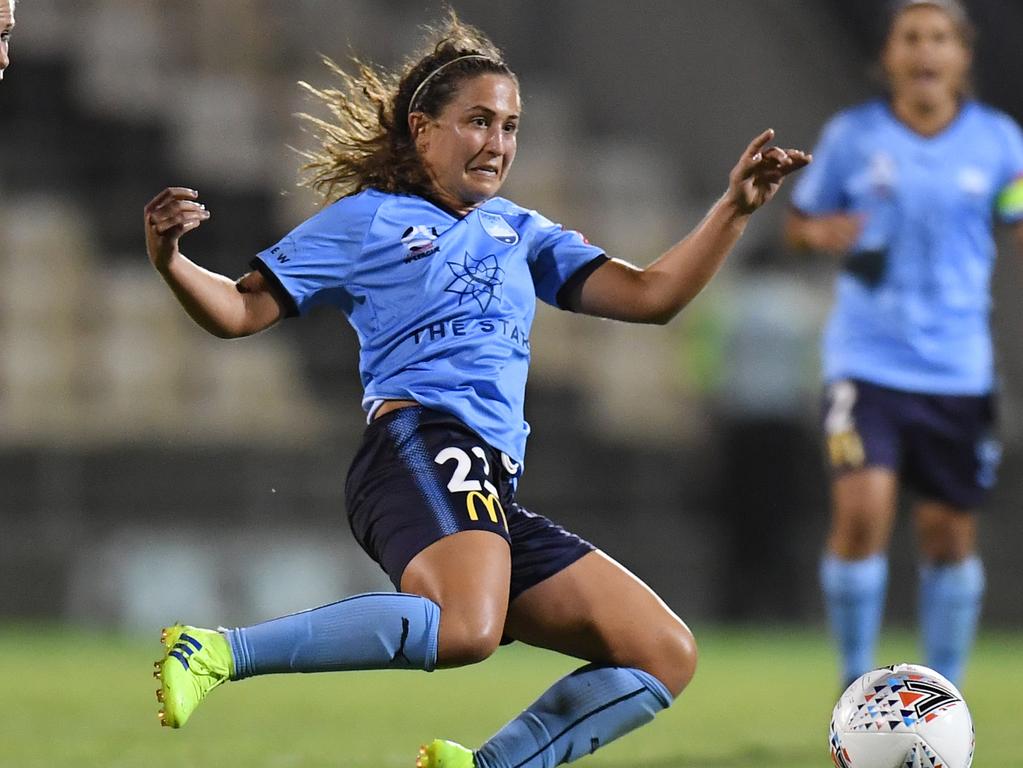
(834,233)
(226,308)
(620,291)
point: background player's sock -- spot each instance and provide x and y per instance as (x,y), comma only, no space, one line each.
(854,593)
(371,631)
(585,710)
(950,597)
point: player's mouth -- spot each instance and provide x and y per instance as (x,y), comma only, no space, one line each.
(485,172)
(925,76)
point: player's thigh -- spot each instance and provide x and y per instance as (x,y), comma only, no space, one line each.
(595,609)
(467,575)
(945,533)
(863,430)
(863,507)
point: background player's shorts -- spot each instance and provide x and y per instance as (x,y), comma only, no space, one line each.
(421,475)
(942,446)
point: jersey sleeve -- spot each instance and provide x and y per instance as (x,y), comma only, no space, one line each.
(311,264)
(1009,205)
(819,188)
(560,261)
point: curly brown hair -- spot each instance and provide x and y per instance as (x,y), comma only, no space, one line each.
(367,143)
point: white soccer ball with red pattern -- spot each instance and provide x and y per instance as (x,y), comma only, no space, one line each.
(903,716)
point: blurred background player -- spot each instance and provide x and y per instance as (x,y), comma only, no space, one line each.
(905,189)
(439,277)
(6,28)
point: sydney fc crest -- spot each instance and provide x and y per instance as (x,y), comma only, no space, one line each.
(498,228)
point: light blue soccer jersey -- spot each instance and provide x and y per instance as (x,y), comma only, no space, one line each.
(442,305)
(928,204)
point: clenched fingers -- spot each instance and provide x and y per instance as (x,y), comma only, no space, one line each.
(174,211)
(776,163)
(170,193)
(177,214)
(785,161)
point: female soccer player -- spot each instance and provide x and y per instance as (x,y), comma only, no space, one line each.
(6,27)
(439,278)
(905,189)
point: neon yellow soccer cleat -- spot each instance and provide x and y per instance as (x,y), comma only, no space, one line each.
(444,754)
(197,661)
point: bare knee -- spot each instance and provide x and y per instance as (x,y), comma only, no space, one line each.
(466,638)
(855,544)
(944,548)
(670,655)
(946,534)
(472,611)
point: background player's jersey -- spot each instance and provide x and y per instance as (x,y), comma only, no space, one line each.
(442,305)
(920,322)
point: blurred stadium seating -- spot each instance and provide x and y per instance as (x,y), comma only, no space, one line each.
(132,445)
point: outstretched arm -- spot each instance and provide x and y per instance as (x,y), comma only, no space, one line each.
(226,308)
(620,291)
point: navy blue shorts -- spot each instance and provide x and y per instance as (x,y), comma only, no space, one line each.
(941,446)
(421,475)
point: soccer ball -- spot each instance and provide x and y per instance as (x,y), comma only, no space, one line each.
(903,716)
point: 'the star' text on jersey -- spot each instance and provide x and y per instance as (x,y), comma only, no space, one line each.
(452,328)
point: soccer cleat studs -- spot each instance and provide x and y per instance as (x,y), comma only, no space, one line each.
(422,754)
(159,695)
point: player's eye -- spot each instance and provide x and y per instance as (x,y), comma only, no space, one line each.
(511,127)
(479,122)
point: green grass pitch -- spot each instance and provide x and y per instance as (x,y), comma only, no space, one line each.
(760,698)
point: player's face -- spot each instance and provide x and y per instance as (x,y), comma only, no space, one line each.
(468,149)
(6,27)
(925,57)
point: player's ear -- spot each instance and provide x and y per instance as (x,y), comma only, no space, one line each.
(417,124)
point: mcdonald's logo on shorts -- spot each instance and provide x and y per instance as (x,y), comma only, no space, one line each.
(490,502)
(845,449)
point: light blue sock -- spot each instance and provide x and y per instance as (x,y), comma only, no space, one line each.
(377,630)
(950,597)
(585,710)
(854,592)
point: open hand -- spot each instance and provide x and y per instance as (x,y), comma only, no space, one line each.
(168,216)
(759,172)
